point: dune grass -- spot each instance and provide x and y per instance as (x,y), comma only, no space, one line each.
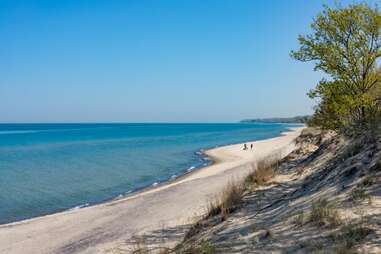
(323,213)
(348,237)
(263,172)
(231,197)
(204,247)
(228,201)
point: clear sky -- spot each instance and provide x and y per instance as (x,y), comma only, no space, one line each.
(149,61)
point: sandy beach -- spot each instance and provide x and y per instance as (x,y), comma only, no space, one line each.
(169,207)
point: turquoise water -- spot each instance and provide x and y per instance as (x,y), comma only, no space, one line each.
(45,168)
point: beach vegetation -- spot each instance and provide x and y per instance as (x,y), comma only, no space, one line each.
(228,201)
(348,237)
(299,219)
(205,247)
(345,44)
(324,213)
(359,193)
(263,172)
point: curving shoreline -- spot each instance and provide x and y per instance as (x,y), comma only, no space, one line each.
(96,228)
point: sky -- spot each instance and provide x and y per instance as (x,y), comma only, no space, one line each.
(153,61)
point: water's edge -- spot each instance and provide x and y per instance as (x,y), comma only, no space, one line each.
(208,161)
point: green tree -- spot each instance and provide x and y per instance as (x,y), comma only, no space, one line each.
(345,43)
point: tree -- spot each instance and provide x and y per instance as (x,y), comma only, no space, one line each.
(345,43)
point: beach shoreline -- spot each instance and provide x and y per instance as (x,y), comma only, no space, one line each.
(204,153)
(224,159)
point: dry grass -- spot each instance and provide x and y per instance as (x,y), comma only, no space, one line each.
(231,197)
(352,150)
(204,247)
(358,194)
(262,173)
(369,180)
(323,213)
(299,219)
(348,237)
(140,246)
(229,200)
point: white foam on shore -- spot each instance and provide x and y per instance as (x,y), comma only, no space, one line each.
(79,207)
(155,184)
(191,168)
(18,132)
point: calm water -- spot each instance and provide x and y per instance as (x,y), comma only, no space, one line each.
(45,168)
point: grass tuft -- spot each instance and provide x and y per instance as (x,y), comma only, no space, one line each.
(369,181)
(140,247)
(359,193)
(299,219)
(350,235)
(228,202)
(323,213)
(263,171)
(204,247)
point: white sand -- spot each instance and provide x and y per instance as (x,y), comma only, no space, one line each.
(98,228)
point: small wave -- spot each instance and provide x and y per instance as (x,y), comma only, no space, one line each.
(18,132)
(155,184)
(36,131)
(206,158)
(191,168)
(173,177)
(79,207)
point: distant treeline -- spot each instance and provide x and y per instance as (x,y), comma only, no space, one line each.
(296,119)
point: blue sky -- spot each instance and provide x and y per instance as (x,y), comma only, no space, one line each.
(153,61)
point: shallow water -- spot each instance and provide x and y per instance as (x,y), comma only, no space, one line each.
(45,168)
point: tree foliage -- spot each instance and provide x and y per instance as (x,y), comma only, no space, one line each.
(345,43)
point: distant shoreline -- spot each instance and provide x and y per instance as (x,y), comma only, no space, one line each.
(280,120)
